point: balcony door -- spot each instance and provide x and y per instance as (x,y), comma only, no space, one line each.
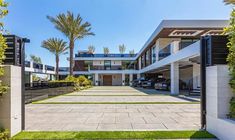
(107,64)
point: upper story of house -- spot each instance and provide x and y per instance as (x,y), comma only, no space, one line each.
(170,37)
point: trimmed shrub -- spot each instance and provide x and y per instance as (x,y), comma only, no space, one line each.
(4,134)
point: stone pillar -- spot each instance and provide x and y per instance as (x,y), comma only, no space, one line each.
(218,96)
(123,79)
(130,79)
(174,46)
(175,78)
(96,79)
(11,103)
(196,76)
(138,75)
(139,63)
(157,50)
(30,77)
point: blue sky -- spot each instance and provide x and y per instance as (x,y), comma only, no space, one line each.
(129,22)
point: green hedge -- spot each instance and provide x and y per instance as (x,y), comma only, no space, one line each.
(80,83)
(4,134)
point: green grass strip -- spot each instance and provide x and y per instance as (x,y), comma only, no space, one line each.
(115,102)
(113,135)
(117,95)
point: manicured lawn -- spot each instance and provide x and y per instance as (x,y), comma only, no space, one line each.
(39,102)
(115,135)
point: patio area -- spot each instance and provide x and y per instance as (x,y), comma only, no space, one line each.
(107,117)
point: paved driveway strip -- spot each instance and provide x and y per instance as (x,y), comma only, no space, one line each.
(116,117)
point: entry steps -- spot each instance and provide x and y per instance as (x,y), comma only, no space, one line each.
(195,92)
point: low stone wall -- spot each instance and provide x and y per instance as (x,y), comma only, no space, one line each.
(39,94)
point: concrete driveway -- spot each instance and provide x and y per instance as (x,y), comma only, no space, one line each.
(103,117)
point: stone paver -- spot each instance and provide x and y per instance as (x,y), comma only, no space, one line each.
(103,117)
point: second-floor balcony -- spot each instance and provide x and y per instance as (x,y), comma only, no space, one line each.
(105,55)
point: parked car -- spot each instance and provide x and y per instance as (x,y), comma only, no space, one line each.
(166,85)
(151,82)
(138,82)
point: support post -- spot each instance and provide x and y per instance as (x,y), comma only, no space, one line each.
(96,79)
(130,79)
(175,78)
(123,79)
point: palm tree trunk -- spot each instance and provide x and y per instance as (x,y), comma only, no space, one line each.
(57,66)
(71,48)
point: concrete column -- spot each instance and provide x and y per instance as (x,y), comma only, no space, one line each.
(139,63)
(11,103)
(30,77)
(96,79)
(174,46)
(157,50)
(138,75)
(123,79)
(175,78)
(196,76)
(130,79)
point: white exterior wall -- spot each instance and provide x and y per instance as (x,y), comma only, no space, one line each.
(10,103)
(98,63)
(116,63)
(218,95)
(117,80)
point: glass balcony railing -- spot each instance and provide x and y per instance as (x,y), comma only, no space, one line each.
(27,64)
(63,69)
(105,55)
(50,68)
(37,66)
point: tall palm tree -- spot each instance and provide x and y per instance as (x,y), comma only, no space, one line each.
(73,28)
(91,49)
(35,59)
(229,1)
(106,51)
(122,49)
(57,47)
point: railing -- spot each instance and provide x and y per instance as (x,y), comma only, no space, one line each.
(63,69)
(27,64)
(37,66)
(106,68)
(164,52)
(50,68)
(105,55)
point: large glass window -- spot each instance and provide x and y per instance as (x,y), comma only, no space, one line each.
(153,54)
(107,64)
(142,62)
(186,42)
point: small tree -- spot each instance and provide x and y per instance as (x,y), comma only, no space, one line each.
(35,59)
(230,31)
(106,51)
(122,49)
(91,49)
(3,45)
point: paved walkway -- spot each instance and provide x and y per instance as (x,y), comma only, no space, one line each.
(103,117)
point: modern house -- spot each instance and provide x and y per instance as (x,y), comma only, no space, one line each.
(172,51)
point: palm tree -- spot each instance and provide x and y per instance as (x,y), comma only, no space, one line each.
(122,49)
(106,51)
(91,49)
(35,59)
(229,1)
(73,28)
(132,52)
(57,47)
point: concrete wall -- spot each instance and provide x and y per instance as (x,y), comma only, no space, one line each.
(117,80)
(218,95)
(10,103)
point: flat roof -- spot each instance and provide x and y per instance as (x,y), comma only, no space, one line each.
(168,26)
